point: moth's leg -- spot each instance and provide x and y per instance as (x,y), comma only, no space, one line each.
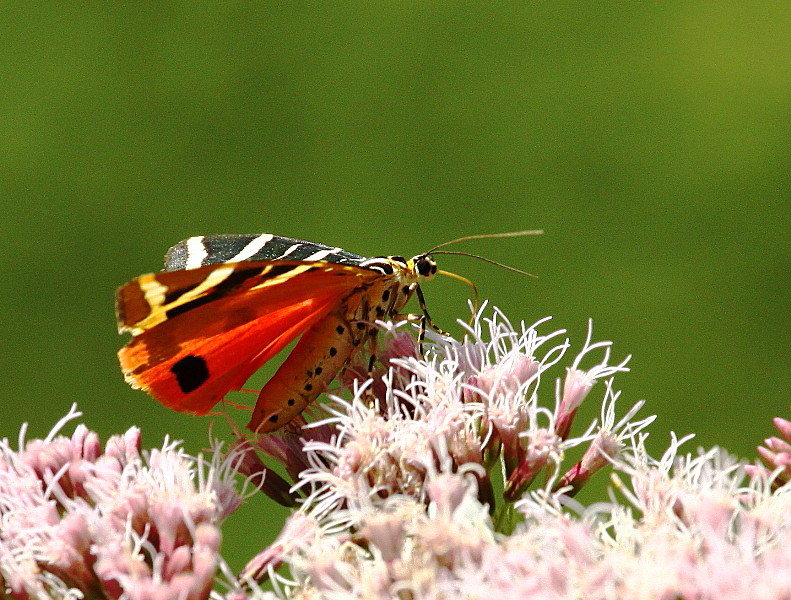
(413,318)
(373,348)
(370,340)
(426,317)
(363,323)
(422,336)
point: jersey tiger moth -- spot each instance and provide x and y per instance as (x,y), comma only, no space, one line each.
(225,304)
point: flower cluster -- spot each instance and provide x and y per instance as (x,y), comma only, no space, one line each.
(399,499)
(79,522)
(450,470)
(456,406)
(694,530)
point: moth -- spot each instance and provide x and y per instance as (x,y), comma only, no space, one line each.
(226,304)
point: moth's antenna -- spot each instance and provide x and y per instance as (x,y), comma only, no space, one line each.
(489,260)
(484,236)
(481,236)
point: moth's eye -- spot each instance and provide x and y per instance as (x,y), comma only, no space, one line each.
(425,266)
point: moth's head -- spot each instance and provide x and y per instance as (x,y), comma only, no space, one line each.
(422,266)
(418,268)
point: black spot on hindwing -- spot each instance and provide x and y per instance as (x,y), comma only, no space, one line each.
(191,372)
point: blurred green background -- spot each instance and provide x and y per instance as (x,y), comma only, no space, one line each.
(650,141)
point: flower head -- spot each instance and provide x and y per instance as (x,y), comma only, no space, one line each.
(425,431)
(775,455)
(460,405)
(79,522)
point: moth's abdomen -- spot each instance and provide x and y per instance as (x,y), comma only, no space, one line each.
(321,353)
(324,350)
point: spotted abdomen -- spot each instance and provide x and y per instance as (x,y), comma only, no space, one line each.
(321,353)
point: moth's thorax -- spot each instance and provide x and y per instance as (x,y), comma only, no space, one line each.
(400,276)
(414,270)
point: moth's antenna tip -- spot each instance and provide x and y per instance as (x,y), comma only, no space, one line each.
(484,236)
(490,261)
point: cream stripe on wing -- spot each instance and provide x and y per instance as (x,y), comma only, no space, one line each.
(196,252)
(283,276)
(212,279)
(323,253)
(289,250)
(155,296)
(253,247)
(154,293)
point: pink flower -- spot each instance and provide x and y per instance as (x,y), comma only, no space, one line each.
(775,455)
(578,383)
(463,404)
(299,531)
(77,521)
(607,445)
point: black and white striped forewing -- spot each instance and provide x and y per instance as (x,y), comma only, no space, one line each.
(205,250)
